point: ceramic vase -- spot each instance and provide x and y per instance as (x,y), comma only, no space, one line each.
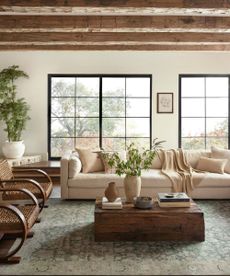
(111,192)
(132,186)
(13,149)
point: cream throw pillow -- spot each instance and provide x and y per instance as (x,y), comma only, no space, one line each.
(221,154)
(91,161)
(211,165)
(75,166)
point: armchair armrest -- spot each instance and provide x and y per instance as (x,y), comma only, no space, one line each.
(25,191)
(30,181)
(65,174)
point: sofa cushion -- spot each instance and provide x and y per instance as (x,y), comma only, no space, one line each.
(193,156)
(211,165)
(157,163)
(150,178)
(91,161)
(212,180)
(75,166)
(221,154)
(107,167)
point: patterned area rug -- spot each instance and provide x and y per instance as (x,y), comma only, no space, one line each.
(63,244)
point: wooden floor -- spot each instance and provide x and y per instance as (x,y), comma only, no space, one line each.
(51,167)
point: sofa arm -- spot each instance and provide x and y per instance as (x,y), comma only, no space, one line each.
(64,174)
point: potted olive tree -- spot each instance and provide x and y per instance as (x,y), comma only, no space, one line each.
(13,112)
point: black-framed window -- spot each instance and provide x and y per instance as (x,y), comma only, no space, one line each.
(106,111)
(204,111)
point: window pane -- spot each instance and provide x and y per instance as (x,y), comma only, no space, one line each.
(137,87)
(137,127)
(62,127)
(87,107)
(193,127)
(113,144)
(218,142)
(217,87)
(192,87)
(137,108)
(87,87)
(62,87)
(139,142)
(113,107)
(87,127)
(113,127)
(217,127)
(217,107)
(60,145)
(193,143)
(62,107)
(113,87)
(193,108)
(92,143)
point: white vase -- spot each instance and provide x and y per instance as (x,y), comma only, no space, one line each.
(132,186)
(14,149)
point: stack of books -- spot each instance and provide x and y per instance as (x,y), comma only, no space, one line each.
(173,200)
(117,204)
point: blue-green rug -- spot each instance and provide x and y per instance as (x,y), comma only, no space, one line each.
(64,244)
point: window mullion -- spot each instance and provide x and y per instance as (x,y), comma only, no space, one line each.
(100,112)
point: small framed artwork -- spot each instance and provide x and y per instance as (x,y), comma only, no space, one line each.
(164,102)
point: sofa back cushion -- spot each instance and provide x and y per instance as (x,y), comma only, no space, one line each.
(157,163)
(91,161)
(107,167)
(193,156)
(221,154)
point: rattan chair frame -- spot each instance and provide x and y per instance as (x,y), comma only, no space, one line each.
(31,181)
(9,256)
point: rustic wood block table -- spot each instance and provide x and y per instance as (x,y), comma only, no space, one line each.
(155,224)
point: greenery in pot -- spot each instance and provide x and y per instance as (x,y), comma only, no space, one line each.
(13,111)
(137,159)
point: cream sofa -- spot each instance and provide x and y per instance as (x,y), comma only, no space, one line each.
(92,185)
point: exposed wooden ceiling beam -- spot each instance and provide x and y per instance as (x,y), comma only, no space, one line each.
(102,11)
(112,23)
(121,3)
(115,37)
(159,47)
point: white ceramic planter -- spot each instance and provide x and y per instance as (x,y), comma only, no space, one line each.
(13,149)
(132,186)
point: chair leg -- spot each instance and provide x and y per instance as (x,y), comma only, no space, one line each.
(11,260)
(30,234)
(38,220)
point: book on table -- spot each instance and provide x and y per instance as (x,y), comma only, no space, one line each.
(173,197)
(117,204)
(173,200)
(174,204)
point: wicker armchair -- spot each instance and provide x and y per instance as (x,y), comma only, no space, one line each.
(15,224)
(41,190)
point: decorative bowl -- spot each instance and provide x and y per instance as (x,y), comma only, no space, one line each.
(143,202)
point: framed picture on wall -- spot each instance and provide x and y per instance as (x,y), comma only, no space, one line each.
(164,102)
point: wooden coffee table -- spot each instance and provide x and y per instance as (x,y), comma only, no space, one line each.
(155,224)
